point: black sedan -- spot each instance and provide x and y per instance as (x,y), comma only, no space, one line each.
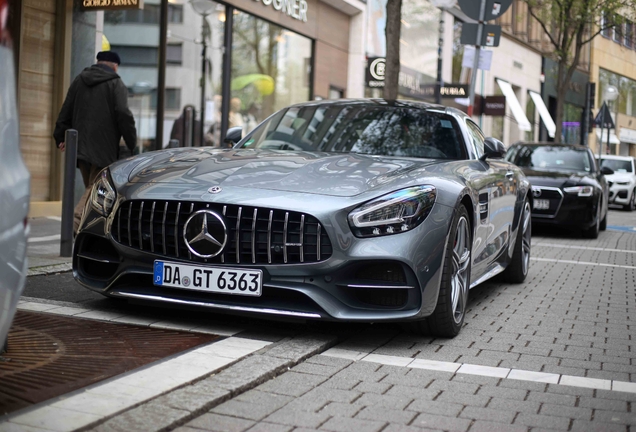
(568,187)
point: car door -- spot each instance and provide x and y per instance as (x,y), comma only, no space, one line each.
(492,230)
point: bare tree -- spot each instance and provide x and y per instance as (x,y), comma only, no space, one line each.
(569,25)
(392,33)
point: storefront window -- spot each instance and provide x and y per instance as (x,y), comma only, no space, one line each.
(626,92)
(270,70)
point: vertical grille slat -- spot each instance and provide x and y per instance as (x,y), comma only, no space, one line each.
(256,235)
(152,222)
(302,243)
(163,227)
(176,231)
(237,241)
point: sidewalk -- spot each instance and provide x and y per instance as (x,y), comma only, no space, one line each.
(44,247)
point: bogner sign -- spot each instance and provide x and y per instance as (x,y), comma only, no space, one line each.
(90,5)
(294,8)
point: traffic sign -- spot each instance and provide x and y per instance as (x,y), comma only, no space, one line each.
(494,8)
(490,35)
(604,118)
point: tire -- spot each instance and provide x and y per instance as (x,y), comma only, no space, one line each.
(517,270)
(631,206)
(603,224)
(449,314)
(592,233)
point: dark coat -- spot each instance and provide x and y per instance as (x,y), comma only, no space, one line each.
(96,106)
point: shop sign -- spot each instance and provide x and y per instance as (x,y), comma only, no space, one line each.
(411,83)
(627,135)
(92,5)
(494,106)
(454,91)
(296,9)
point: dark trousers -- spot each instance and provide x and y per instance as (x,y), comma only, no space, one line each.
(89,174)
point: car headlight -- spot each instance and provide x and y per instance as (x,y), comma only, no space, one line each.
(103,195)
(394,213)
(582,191)
(623,183)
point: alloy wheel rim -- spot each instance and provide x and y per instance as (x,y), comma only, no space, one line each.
(526,238)
(461,264)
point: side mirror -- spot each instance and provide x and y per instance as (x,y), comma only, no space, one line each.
(493,149)
(233,136)
(607,170)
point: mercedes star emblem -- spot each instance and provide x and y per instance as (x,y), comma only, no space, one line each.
(205,234)
(215,189)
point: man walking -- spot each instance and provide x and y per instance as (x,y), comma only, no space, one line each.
(96,106)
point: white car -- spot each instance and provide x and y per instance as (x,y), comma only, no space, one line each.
(623,182)
(14,189)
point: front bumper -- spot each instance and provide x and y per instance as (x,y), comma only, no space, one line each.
(389,278)
(620,195)
(573,212)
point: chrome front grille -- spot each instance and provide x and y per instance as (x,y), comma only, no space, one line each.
(255,235)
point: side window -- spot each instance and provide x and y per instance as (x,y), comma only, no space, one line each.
(477,138)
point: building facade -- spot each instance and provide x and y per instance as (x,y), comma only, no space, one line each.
(613,62)
(262,55)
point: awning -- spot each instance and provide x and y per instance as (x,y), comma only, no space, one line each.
(515,106)
(627,135)
(603,137)
(544,113)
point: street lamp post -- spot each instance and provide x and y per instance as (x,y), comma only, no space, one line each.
(610,94)
(203,8)
(441,4)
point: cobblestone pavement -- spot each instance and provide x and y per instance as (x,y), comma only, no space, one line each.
(570,320)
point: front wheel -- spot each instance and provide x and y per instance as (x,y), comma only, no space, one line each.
(592,233)
(631,206)
(449,314)
(517,270)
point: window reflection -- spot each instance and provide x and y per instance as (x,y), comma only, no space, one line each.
(362,129)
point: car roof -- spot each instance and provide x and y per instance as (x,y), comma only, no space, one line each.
(617,157)
(549,144)
(383,102)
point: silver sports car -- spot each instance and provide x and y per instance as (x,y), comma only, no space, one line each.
(352,210)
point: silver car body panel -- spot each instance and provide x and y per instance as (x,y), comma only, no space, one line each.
(14,198)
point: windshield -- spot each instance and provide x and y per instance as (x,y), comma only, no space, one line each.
(618,166)
(555,158)
(373,130)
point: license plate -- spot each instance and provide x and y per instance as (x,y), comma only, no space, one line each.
(225,280)
(541,204)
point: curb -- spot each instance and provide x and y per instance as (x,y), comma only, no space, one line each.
(179,406)
(50,269)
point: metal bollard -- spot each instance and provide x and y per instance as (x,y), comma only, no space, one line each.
(68,196)
(173,143)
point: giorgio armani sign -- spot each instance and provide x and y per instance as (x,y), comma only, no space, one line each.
(296,9)
(89,5)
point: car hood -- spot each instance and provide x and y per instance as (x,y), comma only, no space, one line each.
(337,174)
(620,177)
(556,179)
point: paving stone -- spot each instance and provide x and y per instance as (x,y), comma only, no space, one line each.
(412,392)
(381,414)
(341,383)
(293,417)
(331,395)
(617,395)
(475,379)
(565,411)
(301,346)
(193,399)
(454,386)
(503,392)
(292,384)
(585,426)
(490,414)
(615,417)
(539,421)
(569,390)
(269,427)
(487,426)
(220,423)
(394,402)
(432,421)
(253,405)
(551,398)
(514,405)
(144,418)
(370,387)
(604,404)
(247,372)
(329,361)
(463,398)
(338,409)
(317,369)
(339,424)
(435,407)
